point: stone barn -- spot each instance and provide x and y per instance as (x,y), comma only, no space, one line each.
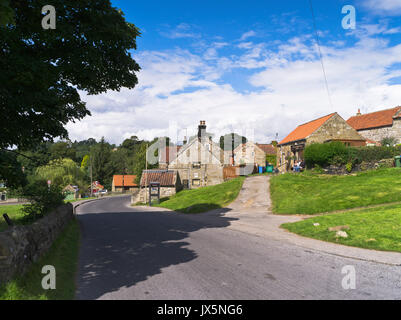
(378,125)
(325,129)
(169,180)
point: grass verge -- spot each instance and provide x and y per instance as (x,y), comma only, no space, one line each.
(308,193)
(204,199)
(375,228)
(17,215)
(63,255)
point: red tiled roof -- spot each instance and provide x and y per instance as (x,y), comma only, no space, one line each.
(375,119)
(127,180)
(267,148)
(304,130)
(166,178)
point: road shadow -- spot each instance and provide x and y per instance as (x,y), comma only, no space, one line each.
(120,249)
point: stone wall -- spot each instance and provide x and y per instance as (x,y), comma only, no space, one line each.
(379,134)
(363,166)
(20,246)
(143,193)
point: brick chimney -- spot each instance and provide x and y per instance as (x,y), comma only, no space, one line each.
(201,129)
(359,112)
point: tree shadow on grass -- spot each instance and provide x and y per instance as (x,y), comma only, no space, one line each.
(121,249)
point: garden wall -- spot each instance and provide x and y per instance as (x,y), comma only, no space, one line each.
(363,166)
(20,246)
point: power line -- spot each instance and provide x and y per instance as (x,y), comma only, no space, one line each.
(320,53)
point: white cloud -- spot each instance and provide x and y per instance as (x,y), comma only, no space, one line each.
(247,35)
(183,30)
(178,85)
(388,7)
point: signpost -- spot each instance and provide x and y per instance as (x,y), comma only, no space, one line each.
(154,191)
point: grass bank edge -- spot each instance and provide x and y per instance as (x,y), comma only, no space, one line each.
(374,228)
(204,199)
(309,193)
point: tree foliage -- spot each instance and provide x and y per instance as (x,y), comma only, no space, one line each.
(102,169)
(42,70)
(62,172)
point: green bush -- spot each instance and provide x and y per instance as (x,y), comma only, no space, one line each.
(271,159)
(324,154)
(42,199)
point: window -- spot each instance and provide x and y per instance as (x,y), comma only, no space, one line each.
(195,182)
(196,165)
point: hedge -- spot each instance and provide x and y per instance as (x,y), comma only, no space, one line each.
(324,154)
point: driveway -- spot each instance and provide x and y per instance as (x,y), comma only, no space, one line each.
(233,253)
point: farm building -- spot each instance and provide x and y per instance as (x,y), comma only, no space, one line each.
(123,183)
(325,129)
(376,126)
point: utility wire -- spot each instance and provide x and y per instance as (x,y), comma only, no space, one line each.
(320,54)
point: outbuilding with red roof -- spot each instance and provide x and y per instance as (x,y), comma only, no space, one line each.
(331,127)
(376,126)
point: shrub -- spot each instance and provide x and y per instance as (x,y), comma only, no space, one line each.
(323,154)
(42,199)
(337,153)
(271,159)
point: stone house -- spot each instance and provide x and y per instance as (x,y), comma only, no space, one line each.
(376,126)
(122,183)
(252,153)
(199,162)
(325,129)
(169,180)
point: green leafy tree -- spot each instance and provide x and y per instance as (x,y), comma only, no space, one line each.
(102,169)
(11,171)
(6,13)
(62,150)
(139,160)
(63,172)
(85,162)
(42,70)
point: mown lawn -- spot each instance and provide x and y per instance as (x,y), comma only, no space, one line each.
(63,255)
(206,198)
(308,193)
(376,228)
(14,212)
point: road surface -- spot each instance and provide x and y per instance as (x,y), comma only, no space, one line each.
(140,253)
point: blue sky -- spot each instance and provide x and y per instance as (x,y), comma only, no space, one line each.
(249,65)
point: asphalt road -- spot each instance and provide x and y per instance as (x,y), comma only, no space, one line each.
(134,253)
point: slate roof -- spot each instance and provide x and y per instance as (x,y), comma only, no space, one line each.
(306,129)
(376,119)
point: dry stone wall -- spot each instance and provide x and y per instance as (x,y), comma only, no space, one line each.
(20,246)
